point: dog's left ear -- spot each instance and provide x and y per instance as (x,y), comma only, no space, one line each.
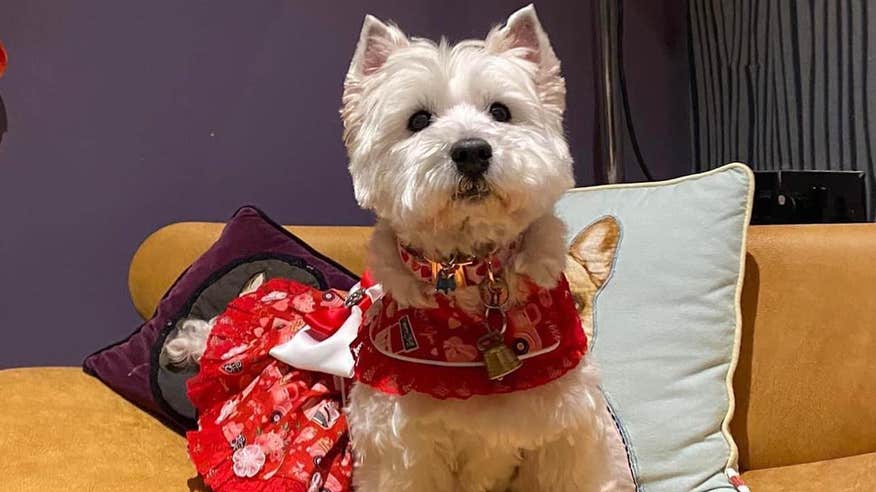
(594,248)
(522,36)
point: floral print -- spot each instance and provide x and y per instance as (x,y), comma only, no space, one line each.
(267,426)
(248,461)
(274,295)
(455,350)
(272,444)
(303,303)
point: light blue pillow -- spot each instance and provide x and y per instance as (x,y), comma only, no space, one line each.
(667,325)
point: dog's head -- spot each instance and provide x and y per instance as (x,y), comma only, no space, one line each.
(461,141)
(589,265)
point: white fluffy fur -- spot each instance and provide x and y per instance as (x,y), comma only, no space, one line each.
(187,347)
(550,438)
(553,437)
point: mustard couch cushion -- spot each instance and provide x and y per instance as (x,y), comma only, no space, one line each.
(61,429)
(850,474)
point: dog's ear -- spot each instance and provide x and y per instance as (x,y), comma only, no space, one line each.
(522,36)
(376,41)
(594,248)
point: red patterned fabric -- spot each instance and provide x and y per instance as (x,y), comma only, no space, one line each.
(434,351)
(263,425)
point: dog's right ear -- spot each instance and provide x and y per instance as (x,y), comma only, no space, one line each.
(376,42)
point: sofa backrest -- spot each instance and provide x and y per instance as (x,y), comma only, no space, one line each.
(806,377)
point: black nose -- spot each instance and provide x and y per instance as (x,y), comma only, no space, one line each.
(472,156)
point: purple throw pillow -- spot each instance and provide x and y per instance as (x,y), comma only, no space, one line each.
(251,244)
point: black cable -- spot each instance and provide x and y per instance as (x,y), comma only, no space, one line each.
(624,97)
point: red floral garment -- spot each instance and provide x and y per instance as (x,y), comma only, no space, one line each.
(263,425)
(435,351)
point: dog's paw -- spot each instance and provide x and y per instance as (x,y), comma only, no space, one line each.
(545,271)
(542,256)
(414,294)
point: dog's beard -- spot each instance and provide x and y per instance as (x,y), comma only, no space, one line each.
(472,189)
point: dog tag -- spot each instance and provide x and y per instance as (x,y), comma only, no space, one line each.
(445,282)
(449,277)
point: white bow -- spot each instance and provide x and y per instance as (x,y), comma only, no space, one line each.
(331,355)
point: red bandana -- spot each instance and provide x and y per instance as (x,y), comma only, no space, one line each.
(434,351)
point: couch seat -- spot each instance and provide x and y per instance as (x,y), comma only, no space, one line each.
(61,429)
(850,474)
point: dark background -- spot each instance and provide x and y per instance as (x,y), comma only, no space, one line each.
(126,116)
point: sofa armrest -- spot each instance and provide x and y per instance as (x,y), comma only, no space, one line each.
(167,252)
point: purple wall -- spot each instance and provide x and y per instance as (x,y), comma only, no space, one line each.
(127,116)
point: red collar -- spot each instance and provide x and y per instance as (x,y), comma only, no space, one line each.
(456,272)
(434,351)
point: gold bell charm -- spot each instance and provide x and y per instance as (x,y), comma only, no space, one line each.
(499,359)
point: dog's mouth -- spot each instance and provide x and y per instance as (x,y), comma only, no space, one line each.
(472,189)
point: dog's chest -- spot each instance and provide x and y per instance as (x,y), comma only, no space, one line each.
(483,424)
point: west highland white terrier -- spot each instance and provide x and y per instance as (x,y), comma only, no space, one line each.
(459,150)
(472,371)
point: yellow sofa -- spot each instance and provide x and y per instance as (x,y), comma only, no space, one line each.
(805,384)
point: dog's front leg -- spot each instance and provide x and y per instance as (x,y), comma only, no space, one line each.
(396,278)
(393,451)
(419,466)
(486,470)
(579,458)
(567,465)
(542,255)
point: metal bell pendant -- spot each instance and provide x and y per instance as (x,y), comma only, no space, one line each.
(499,359)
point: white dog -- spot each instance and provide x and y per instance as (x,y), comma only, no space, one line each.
(459,150)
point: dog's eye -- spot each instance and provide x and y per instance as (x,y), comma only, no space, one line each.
(419,120)
(500,112)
